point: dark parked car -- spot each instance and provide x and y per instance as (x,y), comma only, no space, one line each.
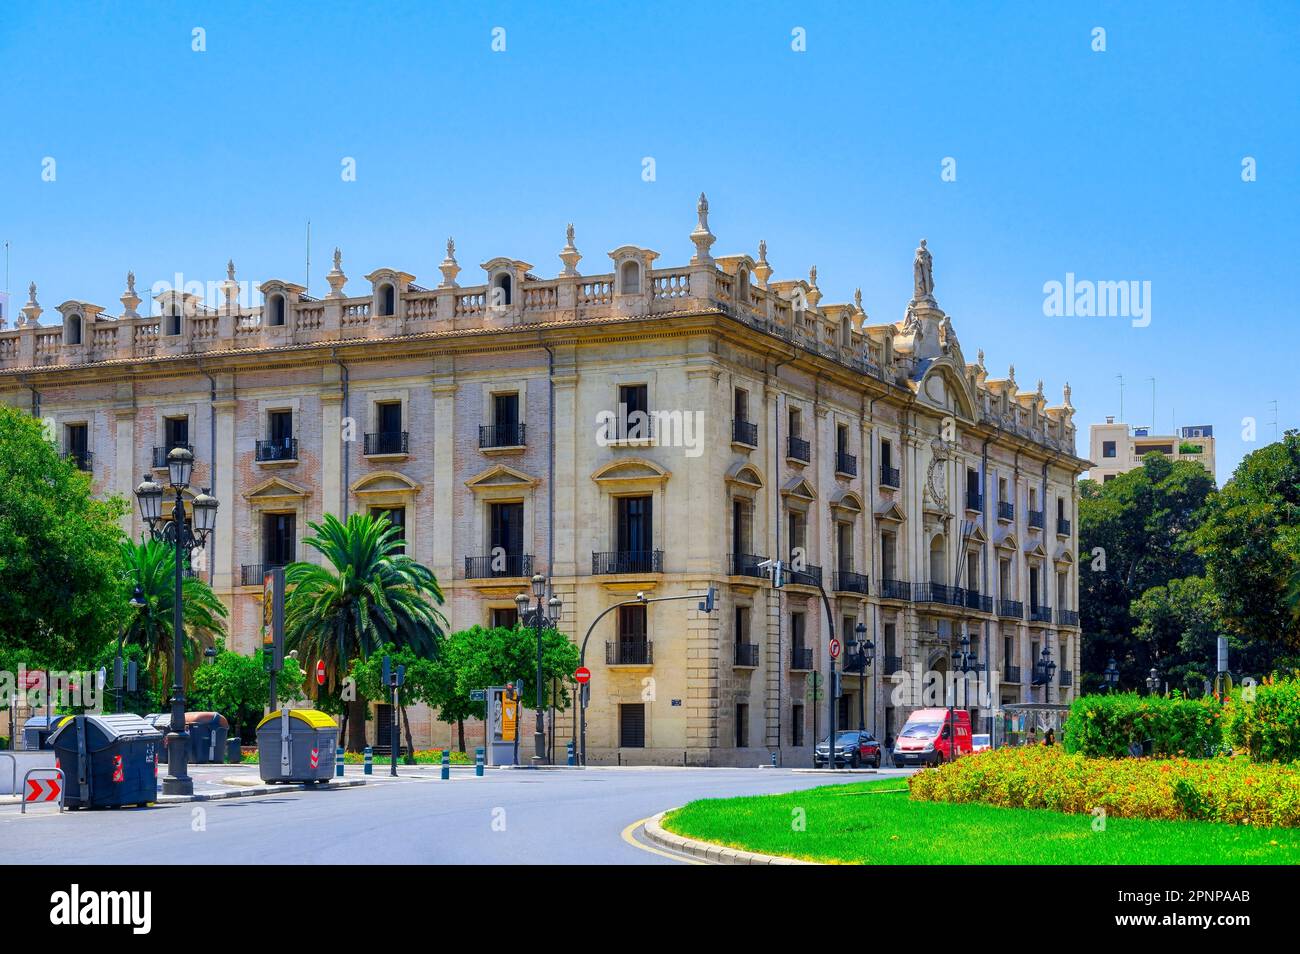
(852,748)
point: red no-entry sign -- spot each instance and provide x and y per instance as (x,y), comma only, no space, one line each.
(835,649)
(320,672)
(583,675)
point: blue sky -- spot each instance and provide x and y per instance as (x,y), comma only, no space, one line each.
(1123,165)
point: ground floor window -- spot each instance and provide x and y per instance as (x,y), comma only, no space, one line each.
(631,726)
(506,617)
(796,725)
(742,725)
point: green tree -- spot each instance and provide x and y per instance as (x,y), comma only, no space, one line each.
(368,594)
(1250,542)
(60,602)
(151,565)
(1139,525)
(419,681)
(239,687)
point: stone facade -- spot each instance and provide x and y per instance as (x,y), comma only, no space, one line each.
(925,497)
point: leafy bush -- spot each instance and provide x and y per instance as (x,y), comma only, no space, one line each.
(1105,726)
(1267,723)
(1231,790)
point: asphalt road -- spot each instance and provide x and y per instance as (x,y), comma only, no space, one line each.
(506,817)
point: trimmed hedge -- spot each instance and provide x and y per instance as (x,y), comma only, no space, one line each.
(1268,726)
(1105,726)
(1230,790)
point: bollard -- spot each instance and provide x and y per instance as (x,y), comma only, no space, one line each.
(446,764)
(773,760)
(571,759)
(478,761)
(369,768)
(338,761)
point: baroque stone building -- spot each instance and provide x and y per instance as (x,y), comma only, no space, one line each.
(648,429)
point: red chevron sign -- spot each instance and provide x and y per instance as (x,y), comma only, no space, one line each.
(315,758)
(117,768)
(42,790)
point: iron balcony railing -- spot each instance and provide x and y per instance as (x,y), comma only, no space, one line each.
(629,652)
(82,460)
(810,575)
(1036,519)
(1006,511)
(801,658)
(846,581)
(939,593)
(160,454)
(1010,673)
(1067,617)
(505,564)
(747,655)
(846,463)
(1067,677)
(1011,609)
(500,435)
(893,664)
(1040,614)
(895,590)
(627,561)
(1062,527)
(744,432)
(285,448)
(889,477)
(747,564)
(386,442)
(797,449)
(974,501)
(250,574)
(974,600)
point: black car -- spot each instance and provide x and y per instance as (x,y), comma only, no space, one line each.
(853,747)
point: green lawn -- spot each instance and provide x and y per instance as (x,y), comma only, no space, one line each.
(876,823)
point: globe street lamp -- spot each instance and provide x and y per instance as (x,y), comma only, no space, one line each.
(862,652)
(540,621)
(963,661)
(185,538)
(1153,681)
(1046,670)
(1110,675)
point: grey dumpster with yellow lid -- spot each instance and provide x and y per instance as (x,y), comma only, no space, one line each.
(296,745)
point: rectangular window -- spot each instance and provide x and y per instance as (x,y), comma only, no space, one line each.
(506,530)
(505,411)
(177,432)
(78,439)
(742,725)
(1008,651)
(794,422)
(891,639)
(841,439)
(397,517)
(1107,448)
(742,519)
(888,556)
(886,454)
(1033,588)
(1002,490)
(1060,508)
(742,625)
(797,524)
(1004,579)
(742,404)
(631,725)
(280,427)
(388,417)
(632,624)
(797,630)
(506,617)
(278,539)
(635,519)
(796,724)
(634,399)
(844,544)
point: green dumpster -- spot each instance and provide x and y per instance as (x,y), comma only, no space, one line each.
(296,745)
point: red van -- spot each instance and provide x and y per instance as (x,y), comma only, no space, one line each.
(926,739)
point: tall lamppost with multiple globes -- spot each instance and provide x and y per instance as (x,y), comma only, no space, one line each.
(862,652)
(540,622)
(185,538)
(1110,675)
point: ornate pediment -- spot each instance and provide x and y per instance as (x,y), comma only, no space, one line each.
(630,470)
(502,477)
(799,488)
(276,490)
(385,482)
(746,475)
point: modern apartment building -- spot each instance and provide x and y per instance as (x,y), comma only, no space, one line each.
(653,429)
(1116,448)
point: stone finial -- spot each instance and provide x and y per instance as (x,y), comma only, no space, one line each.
(335,276)
(1066,393)
(979,359)
(702,237)
(230,289)
(857,300)
(814,293)
(569,255)
(1040,388)
(1011,374)
(230,270)
(449,268)
(762,269)
(31,312)
(130,300)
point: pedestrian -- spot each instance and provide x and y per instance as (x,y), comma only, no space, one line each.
(1049,738)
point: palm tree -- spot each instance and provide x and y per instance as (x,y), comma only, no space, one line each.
(369,593)
(151,565)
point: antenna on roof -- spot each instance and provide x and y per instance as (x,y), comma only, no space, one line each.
(6,266)
(308,281)
(1121,396)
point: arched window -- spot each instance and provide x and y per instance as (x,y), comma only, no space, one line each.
(387,300)
(630,273)
(742,285)
(277,310)
(504,284)
(74,330)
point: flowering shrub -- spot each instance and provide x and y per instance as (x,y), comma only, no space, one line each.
(1268,726)
(1232,790)
(1105,726)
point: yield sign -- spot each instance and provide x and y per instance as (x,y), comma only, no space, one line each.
(42,790)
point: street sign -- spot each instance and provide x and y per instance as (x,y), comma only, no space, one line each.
(42,790)
(478,695)
(835,649)
(583,675)
(320,672)
(273,618)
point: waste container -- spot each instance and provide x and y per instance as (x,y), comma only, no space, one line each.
(234,752)
(296,745)
(107,760)
(38,729)
(207,732)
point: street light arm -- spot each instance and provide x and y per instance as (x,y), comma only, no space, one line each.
(582,653)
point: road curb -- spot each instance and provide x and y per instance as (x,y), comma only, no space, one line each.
(257,790)
(708,851)
(831,773)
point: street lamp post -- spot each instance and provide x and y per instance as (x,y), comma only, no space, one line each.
(119,675)
(1153,681)
(1046,670)
(540,621)
(864,652)
(1110,675)
(180,467)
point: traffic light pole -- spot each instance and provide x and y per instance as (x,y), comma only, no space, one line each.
(582,653)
